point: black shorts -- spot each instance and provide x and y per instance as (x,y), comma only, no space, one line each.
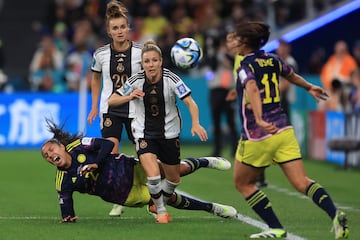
(112,126)
(167,150)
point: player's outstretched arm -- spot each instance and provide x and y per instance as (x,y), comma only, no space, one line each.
(317,92)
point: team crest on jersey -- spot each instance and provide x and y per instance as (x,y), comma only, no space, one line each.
(120,68)
(107,122)
(143,144)
(181,88)
(81,158)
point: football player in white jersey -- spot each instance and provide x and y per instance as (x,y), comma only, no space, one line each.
(156,126)
(112,65)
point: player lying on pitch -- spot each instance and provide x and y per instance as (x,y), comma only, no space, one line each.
(86,165)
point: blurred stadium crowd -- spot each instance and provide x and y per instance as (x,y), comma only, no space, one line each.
(73,29)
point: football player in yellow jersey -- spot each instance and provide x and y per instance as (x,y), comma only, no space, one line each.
(232,45)
(267,135)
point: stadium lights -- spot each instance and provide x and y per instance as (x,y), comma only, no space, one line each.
(314,24)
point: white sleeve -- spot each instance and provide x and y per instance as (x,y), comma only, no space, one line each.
(178,85)
(96,63)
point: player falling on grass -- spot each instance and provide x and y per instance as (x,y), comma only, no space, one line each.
(86,165)
(267,135)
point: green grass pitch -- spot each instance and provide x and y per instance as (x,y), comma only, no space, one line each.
(29,206)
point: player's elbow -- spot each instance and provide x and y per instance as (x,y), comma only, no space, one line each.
(114,100)
(111,102)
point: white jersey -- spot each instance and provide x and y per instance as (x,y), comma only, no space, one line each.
(157,115)
(116,67)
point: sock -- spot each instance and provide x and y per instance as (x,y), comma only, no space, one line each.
(168,189)
(260,203)
(321,198)
(188,203)
(154,186)
(195,163)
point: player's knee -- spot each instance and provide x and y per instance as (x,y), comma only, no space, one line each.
(240,186)
(301,186)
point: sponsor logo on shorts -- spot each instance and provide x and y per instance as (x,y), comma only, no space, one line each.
(177,143)
(107,122)
(143,144)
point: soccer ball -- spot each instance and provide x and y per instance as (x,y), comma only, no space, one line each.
(186,53)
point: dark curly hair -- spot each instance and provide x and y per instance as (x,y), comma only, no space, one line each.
(60,136)
(254,34)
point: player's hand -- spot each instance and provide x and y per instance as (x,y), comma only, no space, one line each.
(268,127)
(69,219)
(232,95)
(137,93)
(318,93)
(200,131)
(88,168)
(92,116)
